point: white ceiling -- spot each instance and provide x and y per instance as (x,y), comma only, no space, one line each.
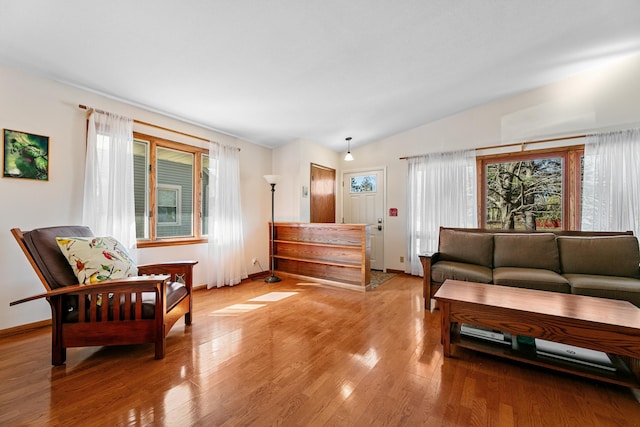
(272,72)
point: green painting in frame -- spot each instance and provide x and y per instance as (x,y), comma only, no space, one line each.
(26,155)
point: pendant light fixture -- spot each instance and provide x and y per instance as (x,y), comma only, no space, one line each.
(348,157)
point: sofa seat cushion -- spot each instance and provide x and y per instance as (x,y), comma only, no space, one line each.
(531,278)
(443,270)
(614,287)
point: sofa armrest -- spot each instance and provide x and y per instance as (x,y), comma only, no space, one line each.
(427,259)
(433,256)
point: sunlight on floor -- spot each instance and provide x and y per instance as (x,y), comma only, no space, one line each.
(238,309)
(273,296)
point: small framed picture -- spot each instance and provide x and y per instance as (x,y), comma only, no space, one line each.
(26,155)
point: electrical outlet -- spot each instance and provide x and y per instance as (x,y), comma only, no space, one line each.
(254,261)
(401,259)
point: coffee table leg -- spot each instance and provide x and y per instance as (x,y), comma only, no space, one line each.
(445,328)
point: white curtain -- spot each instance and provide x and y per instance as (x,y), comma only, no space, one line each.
(108,205)
(226,243)
(441,191)
(611,182)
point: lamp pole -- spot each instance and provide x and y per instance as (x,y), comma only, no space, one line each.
(272,180)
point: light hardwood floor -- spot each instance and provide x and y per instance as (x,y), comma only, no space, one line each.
(297,355)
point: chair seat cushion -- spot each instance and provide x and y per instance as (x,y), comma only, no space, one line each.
(443,270)
(531,278)
(176,292)
(614,287)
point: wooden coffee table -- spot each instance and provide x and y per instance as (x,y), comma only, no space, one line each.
(611,326)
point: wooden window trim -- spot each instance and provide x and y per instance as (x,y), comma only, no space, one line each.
(197,237)
(571,183)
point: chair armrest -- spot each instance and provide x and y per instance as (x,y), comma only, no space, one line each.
(128,284)
(170,264)
(180,271)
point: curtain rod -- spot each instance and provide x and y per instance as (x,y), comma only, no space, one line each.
(84,107)
(516,144)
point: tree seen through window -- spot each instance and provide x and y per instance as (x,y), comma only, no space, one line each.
(363,184)
(525,194)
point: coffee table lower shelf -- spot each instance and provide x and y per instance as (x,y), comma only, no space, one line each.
(527,354)
(599,324)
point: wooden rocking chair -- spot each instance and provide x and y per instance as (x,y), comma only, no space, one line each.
(140,309)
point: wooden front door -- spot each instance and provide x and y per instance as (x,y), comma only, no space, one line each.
(323,194)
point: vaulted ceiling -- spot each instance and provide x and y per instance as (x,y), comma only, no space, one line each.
(272,72)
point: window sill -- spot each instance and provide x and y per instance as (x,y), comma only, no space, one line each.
(171,242)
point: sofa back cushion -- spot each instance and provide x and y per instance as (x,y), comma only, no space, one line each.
(534,250)
(606,256)
(467,247)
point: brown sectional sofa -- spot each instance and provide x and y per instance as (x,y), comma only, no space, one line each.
(601,264)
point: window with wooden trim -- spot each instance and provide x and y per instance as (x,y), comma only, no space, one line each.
(537,190)
(170,191)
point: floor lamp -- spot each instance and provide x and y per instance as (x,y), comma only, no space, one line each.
(272,180)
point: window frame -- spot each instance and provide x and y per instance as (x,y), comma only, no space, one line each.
(204,190)
(176,190)
(157,142)
(571,180)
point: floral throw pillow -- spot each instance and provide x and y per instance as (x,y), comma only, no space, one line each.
(95,259)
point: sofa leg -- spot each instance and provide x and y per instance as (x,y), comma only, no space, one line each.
(428,304)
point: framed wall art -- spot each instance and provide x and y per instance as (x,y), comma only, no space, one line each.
(26,155)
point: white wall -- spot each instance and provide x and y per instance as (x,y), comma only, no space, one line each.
(602,99)
(40,106)
(293,163)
